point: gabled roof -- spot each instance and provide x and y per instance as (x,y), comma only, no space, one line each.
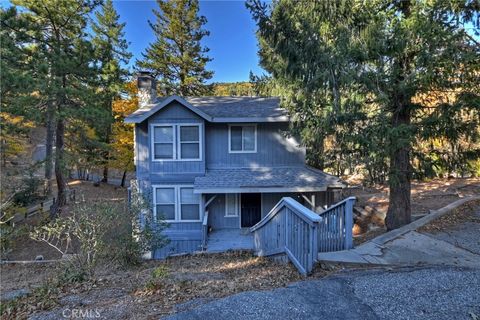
(220,109)
(145,112)
(248,180)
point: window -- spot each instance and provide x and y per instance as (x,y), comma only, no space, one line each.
(179,142)
(165,203)
(231,205)
(163,138)
(242,138)
(176,203)
(189,142)
(189,204)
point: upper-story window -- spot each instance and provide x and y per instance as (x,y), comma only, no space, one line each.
(242,138)
(176,142)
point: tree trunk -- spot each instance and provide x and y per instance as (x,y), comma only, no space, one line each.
(107,141)
(124,177)
(399,209)
(60,165)
(49,149)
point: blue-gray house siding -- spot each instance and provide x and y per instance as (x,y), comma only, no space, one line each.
(274,148)
(282,154)
(184,236)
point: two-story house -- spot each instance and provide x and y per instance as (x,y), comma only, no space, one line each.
(232,157)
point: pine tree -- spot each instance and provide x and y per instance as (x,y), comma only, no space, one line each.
(177,57)
(59,33)
(360,76)
(112,54)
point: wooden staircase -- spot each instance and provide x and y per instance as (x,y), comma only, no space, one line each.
(294,231)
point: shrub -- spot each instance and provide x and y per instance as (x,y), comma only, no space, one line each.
(29,191)
(158,274)
(106,233)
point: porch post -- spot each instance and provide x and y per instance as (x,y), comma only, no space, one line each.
(202,206)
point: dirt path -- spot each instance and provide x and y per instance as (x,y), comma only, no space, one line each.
(426,195)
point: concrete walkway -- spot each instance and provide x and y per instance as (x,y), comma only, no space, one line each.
(407,246)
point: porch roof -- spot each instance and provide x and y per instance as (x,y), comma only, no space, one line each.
(252,180)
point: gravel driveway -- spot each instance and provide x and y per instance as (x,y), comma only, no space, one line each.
(407,293)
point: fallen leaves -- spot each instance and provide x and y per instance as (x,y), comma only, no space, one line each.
(464,213)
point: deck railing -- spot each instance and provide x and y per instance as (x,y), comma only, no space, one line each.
(205,230)
(292,229)
(335,228)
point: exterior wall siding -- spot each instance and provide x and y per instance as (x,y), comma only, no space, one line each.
(177,247)
(273,148)
(216,215)
(168,170)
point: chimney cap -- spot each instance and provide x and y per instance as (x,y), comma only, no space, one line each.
(145,73)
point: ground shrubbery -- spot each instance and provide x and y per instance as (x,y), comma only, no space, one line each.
(102,234)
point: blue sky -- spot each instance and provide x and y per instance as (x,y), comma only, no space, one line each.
(232,41)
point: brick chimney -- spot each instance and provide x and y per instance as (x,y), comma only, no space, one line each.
(147,88)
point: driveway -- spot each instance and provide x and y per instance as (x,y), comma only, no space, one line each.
(406,293)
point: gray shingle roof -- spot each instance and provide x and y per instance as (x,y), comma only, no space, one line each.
(300,179)
(220,109)
(239,107)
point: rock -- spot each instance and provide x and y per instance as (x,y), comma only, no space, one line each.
(14,294)
(39,258)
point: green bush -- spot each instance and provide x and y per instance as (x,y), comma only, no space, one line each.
(30,189)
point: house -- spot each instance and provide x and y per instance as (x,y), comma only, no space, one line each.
(218,163)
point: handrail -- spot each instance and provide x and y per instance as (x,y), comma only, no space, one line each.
(338,204)
(205,230)
(306,214)
(292,229)
(335,232)
(205,219)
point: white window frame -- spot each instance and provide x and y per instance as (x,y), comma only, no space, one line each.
(178,205)
(179,142)
(176,141)
(236,205)
(230,137)
(155,200)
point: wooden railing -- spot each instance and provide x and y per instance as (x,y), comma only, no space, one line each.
(291,229)
(335,228)
(299,233)
(205,230)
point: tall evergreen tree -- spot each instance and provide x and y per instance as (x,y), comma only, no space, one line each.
(68,67)
(177,56)
(365,71)
(112,55)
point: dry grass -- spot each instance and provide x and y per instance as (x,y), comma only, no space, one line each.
(215,276)
(464,213)
(124,293)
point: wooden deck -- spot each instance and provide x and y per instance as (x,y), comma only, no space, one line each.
(229,239)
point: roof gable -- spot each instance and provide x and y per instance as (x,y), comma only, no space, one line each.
(143,114)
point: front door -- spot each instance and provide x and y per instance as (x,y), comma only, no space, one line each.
(251,209)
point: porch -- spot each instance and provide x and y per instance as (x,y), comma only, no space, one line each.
(229,239)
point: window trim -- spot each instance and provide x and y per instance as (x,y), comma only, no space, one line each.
(178,204)
(176,141)
(230,137)
(236,205)
(179,142)
(174,138)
